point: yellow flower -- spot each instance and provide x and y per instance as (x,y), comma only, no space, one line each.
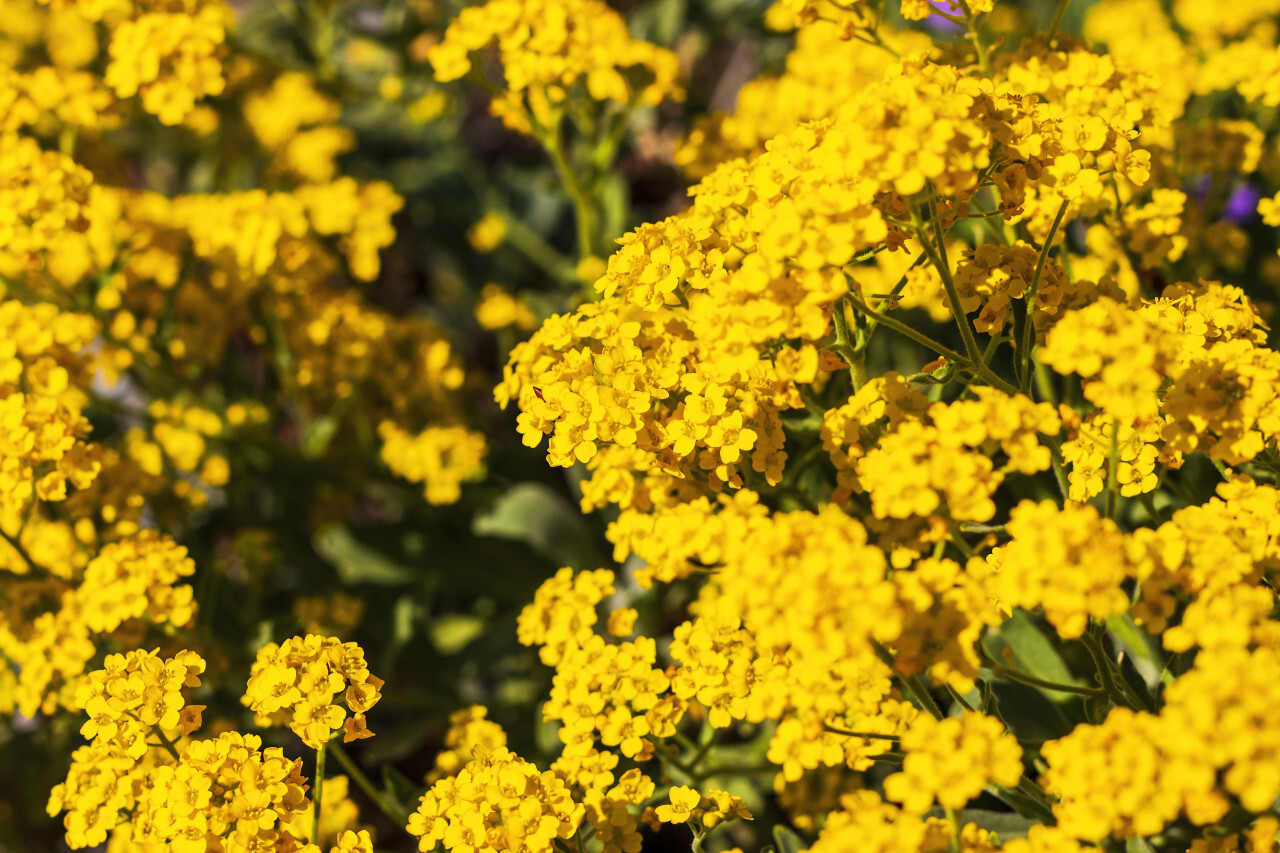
(683,802)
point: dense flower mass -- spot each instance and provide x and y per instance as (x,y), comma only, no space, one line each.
(548,50)
(901,371)
(300,680)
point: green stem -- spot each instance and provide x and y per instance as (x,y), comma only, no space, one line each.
(732,770)
(960,545)
(913,684)
(1103,664)
(1149,504)
(67,142)
(888,300)
(1044,383)
(975,527)
(907,331)
(847,347)
(22,552)
(1036,793)
(702,752)
(836,730)
(938,257)
(1059,465)
(606,148)
(1029,328)
(979,44)
(1000,670)
(322,37)
(959,699)
(953,821)
(364,784)
(519,235)
(319,789)
(532,246)
(166,743)
(584,212)
(1058,15)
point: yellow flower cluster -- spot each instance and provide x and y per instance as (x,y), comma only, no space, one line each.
(170,60)
(135,697)
(1066,561)
(469,730)
(1188,364)
(298,682)
(823,70)
(133,579)
(250,232)
(612,693)
(709,810)
(548,49)
(917,459)
(990,277)
(562,615)
(692,389)
(148,781)
(42,193)
(828,537)
(135,692)
(756,650)
(298,125)
(1229,541)
(866,822)
(43,369)
(1136,772)
(497,801)
(169,55)
(229,788)
(952,760)
(442,458)
(710,321)
(1088,453)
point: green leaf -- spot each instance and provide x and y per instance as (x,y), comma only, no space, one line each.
(787,841)
(1143,650)
(539,517)
(403,616)
(318,434)
(401,790)
(615,204)
(1024,804)
(356,562)
(452,632)
(1006,824)
(660,21)
(1030,714)
(1033,652)
(990,704)
(397,743)
(1138,845)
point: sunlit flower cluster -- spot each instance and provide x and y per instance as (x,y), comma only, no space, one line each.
(927,409)
(300,681)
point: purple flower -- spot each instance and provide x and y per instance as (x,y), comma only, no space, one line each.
(939,24)
(1241,206)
